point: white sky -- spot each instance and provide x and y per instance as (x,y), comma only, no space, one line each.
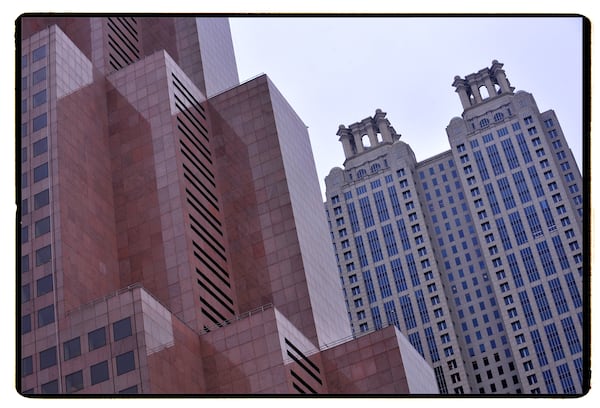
(335,70)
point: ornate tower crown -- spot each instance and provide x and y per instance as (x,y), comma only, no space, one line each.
(376,129)
(487,83)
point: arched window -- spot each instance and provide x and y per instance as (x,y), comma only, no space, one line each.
(361,173)
(375,168)
(365,141)
(484,122)
(483,92)
(498,116)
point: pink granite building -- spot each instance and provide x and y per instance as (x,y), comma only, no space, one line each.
(173,238)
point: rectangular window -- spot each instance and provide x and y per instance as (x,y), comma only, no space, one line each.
(71,348)
(39,99)
(99,372)
(97,338)
(125,363)
(43,255)
(26,366)
(47,358)
(41,146)
(45,316)
(40,122)
(38,76)
(39,53)
(44,285)
(40,172)
(42,226)
(50,387)
(41,199)
(74,382)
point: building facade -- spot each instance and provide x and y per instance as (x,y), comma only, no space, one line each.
(172,238)
(475,254)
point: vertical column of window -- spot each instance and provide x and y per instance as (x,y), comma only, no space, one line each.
(517,227)
(534,222)
(510,153)
(374,246)
(394,200)
(571,335)
(524,148)
(415,340)
(546,257)
(489,189)
(539,294)
(573,290)
(384,283)
(422,305)
(537,184)
(539,348)
(560,301)
(390,313)
(407,312)
(376,317)
(527,309)
(514,269)
(504,237)
(481,165)
(549,381)
(362,254)
(530,266)
(547,213)
(432,347)
(365,208)
(412,270)
(522,188)
(495,159)
(560,250)
(403,235)
(554,340)
(390,240)
(440,379)
(371,296)
(566,380)
(380,205)
(123,41)
(353,217)
(399,278)
(506,193)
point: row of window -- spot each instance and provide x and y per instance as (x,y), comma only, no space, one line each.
(74,382)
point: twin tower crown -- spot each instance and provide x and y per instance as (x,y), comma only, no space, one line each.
(473,89)
(366,134)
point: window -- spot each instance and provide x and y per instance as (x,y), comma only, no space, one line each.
(44,285)
(25,293)
(48,358)
(39,98)
(26,366)
(41,199)
(42,226)
(43,255)
(38,76)
(129,390)
(122,329)
(99,372)
(125,363)
(41,146)
(50,387)
(25,324)
(40,122)
(72,348)
(97,338)
(40,172)
(45,316)
(74,381)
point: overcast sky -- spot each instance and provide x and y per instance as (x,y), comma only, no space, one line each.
(339,70)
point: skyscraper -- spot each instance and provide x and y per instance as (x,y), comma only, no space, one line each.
(475,254)
(172,238)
